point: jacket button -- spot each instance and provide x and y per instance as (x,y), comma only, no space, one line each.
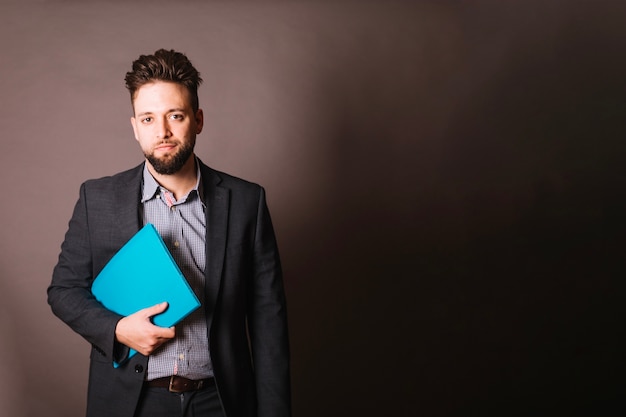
(138,369)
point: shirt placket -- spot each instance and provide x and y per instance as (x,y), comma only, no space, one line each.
(176,243)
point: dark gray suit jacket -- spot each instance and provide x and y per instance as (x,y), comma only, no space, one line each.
(245,302)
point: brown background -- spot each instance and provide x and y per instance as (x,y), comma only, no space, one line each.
(446,181)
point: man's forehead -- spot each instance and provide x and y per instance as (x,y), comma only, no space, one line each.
(161,97)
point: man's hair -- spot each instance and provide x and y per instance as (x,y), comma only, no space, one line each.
(168,66)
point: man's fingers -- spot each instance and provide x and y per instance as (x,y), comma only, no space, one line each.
(168,332)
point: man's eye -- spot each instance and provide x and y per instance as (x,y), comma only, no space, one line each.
(177,116)
(146,119)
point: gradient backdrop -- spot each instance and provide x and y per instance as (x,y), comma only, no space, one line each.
(446,181)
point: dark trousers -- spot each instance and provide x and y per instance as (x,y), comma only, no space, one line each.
(159,402)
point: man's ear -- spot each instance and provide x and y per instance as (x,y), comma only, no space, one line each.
(199,116)
(133,123)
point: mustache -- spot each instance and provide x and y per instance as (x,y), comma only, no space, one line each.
(167,142)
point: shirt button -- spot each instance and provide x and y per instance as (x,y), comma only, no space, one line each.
(181,356)
(177,244)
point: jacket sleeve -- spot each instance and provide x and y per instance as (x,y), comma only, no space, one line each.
(267,321)
(69,293)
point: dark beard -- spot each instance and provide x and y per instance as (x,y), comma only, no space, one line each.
(172,164)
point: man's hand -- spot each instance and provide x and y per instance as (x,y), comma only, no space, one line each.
(137,331)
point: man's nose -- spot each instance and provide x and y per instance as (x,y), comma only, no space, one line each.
(163,129)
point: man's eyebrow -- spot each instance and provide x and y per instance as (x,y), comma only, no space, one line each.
(176,109)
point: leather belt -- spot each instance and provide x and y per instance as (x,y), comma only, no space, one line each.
(180,384)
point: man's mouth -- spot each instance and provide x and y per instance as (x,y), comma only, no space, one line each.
(165,147)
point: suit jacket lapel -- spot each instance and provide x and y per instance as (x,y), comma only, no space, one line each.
(128,204)
(217,202)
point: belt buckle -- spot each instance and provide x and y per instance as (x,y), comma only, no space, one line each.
(184,385)
(171,386)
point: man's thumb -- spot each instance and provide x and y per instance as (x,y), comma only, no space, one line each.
(157,309)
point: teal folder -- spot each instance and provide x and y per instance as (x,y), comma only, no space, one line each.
(141,274)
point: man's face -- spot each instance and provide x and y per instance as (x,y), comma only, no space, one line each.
(165,125)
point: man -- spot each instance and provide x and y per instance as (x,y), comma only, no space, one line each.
(228,358)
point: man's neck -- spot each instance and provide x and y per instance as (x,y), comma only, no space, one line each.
(181,182)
